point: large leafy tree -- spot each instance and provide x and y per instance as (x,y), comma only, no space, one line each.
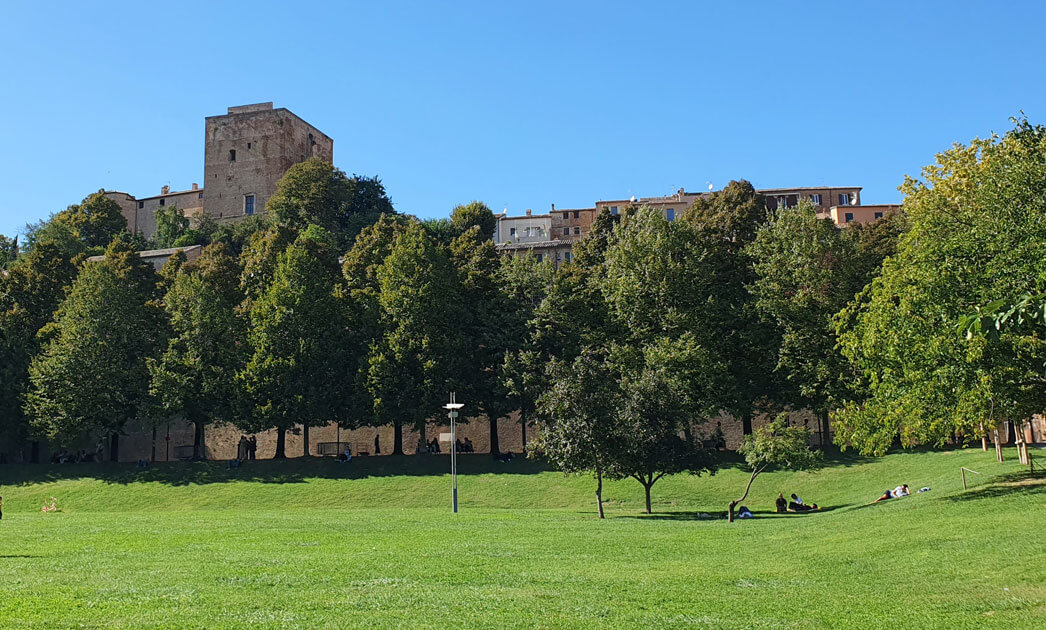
(95,220)
(418,356)
(314,192)
(976,235)
(807,270)
(91,376)
(30,293)
(728,221)
(196,374)
(8,251)
(474,214)
(171,225)
(296,371)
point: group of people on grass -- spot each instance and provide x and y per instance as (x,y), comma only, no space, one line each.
(79,457)
(432,446)
(246,449)
(795,505)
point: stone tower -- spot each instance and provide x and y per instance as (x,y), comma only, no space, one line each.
(248,150)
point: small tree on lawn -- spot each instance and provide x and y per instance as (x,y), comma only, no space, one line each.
(775,444)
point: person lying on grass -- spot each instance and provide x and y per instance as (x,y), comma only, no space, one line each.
(896,493)
(797,505)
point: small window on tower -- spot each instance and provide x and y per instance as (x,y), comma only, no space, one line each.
(248,204)
(141,204)
(232,155)
(162,202)
(248,145)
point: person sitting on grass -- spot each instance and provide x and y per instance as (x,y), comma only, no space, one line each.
(782,505)
(346,456)
(797,505)
(896,493)
(468,446)
(744,512)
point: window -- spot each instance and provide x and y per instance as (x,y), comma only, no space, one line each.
(566,215)
(577,231)
(577,214)
(815,199)
(248,204)
(878,215)
(232,155)
(849,217)
(141,204)
(613,210)
(541,257)
(567,257)
(248,145)
(670,214)
(162,202)
(844,199)
(201,195)
(566,231)
(512,231)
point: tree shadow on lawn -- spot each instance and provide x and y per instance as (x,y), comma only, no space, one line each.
(696,515)
(293,470)
(1021,482)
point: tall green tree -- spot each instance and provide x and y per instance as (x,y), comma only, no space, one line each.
(474,214)
(976,235)
(314,192)
(91,376)
(171,225)
(30,293)
(727,221)
(96,220)
(296,371)
(8,251)
(417,357)
(195,377)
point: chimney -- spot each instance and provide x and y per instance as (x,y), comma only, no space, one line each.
(528,212)
(165,190)
(195,186)
(553,207)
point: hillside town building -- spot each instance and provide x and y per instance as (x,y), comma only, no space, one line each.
(246,152)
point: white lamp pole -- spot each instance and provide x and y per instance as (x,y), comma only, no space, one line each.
(452,413)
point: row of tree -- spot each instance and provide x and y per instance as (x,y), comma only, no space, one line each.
(338,310)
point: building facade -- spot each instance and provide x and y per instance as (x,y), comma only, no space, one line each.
(246,152)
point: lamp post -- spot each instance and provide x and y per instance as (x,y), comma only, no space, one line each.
(452,412)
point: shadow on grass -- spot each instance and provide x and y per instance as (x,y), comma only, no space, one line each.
(294,470)
(699,515)
(19,555)
(1022,482)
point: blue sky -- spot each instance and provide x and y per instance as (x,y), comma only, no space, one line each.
(520,105)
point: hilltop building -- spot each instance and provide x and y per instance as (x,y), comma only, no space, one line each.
(246,152)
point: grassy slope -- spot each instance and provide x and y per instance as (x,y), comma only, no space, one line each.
(313,544)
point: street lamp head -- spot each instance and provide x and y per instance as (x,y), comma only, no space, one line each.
(453,406)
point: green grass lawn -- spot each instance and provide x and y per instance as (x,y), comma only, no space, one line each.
(312,544)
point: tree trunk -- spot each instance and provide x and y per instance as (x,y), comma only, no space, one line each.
(281,443)
(397,439)
(114,447)
(523,426)
(305,439)
(748,488)
(495,447)
(746,424)
(599,493)
(34,452)
(647,489)
(730,511)
(826,437)
(198,452)
(998,444)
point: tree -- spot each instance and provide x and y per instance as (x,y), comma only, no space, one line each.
(775,444)
(30,293)
(976,235)
(171,225)
(417,356)
(485,309)
(314,192)
(474,214)
(91,377)
(61,235)
(95,220)
(196,375)
(577,412)
(8,251)
(728,221)
(806,270)
(297,335)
